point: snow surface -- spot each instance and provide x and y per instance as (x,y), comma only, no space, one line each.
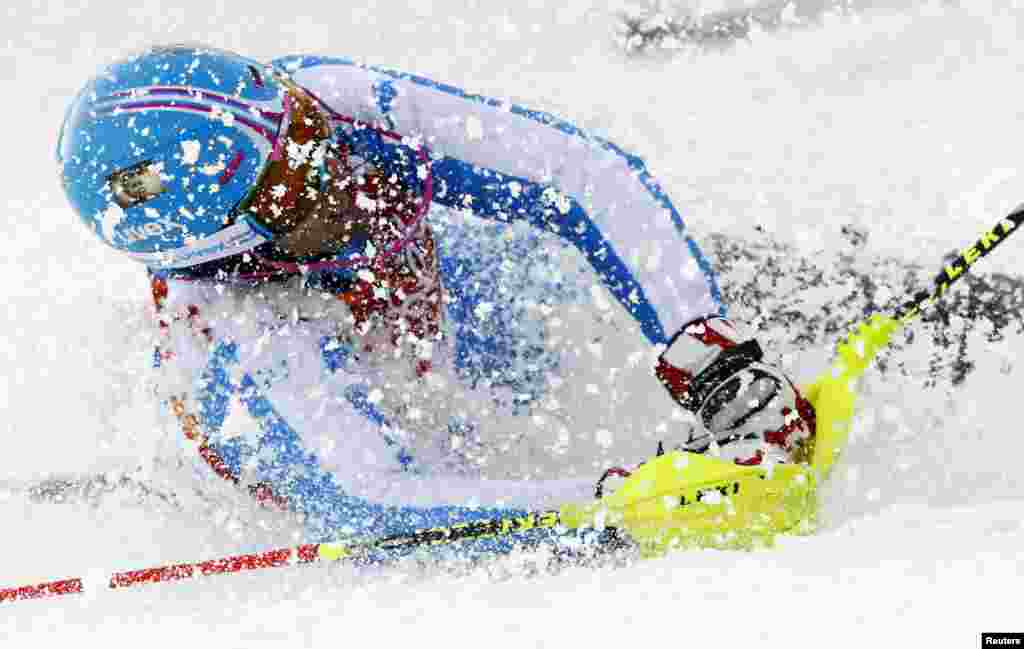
(897,120)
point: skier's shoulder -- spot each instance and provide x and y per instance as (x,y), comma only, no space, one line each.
(304,63)
(295,62)
(342,69)
(338,67)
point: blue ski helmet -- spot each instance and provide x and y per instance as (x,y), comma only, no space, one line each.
(159,150)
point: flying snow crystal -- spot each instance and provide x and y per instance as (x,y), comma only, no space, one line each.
(711,497)
(691,270)
(317,392)
(883,294)
(366,203)
(190,151)
(483,310)
(597,294)
(94,582)
(474,128)
(557,199)
(236,423)
(224,115)
(311,152)
(213,169)
(109,219)
(426,350)
(604,438)
(654,260)
(891,413)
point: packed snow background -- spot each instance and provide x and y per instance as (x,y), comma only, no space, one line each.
(895,120)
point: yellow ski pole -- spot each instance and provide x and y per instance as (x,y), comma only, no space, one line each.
(832,393)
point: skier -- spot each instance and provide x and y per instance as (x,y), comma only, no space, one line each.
(305,293)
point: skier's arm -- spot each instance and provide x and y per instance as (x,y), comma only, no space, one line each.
(511,163)
(507,162)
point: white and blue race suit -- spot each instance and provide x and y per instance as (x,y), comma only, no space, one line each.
(282,404)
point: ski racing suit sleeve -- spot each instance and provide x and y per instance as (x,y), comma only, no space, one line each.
(506,162)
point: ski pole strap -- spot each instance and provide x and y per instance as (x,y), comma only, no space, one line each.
(953,271)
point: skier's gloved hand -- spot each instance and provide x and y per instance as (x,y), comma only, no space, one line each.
(744,410)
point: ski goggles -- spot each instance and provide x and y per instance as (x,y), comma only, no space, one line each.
(291,186)
(305,199)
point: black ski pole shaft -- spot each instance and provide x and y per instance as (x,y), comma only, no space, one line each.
(952,272)
(473,530)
